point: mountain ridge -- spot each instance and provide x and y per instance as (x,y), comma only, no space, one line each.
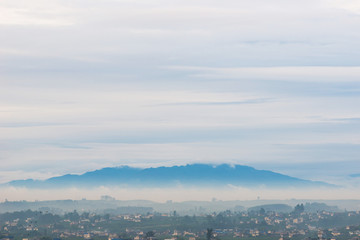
(203,175)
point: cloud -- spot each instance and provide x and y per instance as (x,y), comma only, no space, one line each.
(300,73)
(250,101)
(112,82)
(352,6)
(28,124)
(162,33)
(38,13)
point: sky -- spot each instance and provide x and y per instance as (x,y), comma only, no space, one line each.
(92,84)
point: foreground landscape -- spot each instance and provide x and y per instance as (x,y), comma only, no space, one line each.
(272,221)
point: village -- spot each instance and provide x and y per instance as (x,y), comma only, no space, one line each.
(298,224)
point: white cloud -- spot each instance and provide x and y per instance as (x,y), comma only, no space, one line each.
(296,73)
(89,81)
(353,6)
(35,13)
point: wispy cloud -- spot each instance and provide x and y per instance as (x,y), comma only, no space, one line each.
(249,101)
(299,73)
(30,124)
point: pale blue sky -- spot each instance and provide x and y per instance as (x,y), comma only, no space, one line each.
(90,84)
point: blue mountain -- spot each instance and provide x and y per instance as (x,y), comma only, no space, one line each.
(200,175)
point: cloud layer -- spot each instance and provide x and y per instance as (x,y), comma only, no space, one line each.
(89,84)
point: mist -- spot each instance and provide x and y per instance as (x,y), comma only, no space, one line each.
(178,194)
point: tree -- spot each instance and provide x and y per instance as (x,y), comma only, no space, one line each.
(262,211)
(72,216)
(299,208)
(150,234)
(85,215)
(45,238)
(209,234)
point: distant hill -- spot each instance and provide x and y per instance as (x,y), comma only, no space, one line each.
(199,175)
(272,208)
(318,207)
(115,207)
(309,207)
